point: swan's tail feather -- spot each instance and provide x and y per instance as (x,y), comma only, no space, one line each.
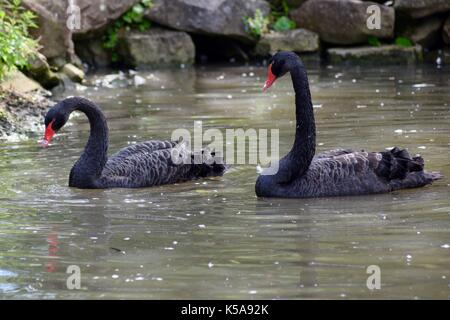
(397,163)
(415,179)
(433,175)
(416,164)
(210,165)
(403,172)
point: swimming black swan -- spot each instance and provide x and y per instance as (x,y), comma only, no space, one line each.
(141,165)
(338,172)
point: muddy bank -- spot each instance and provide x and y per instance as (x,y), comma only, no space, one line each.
(21,113)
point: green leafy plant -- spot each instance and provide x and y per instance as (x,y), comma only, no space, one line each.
(403,42)
(16,46)
(279,12)
(278,9)
(283,23)
(258,25)
(132,19)
(373,41)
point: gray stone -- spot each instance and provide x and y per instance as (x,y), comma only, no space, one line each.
(297,40)
(54,36)
(446,31)
(213,17)
(97,14)
(386,54)
(343,22)
(156,47)
(421,8)
(74,74)
(39,70)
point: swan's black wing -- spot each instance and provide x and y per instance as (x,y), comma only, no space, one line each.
(340,173)
(333,153)
(149,164)
(343,172)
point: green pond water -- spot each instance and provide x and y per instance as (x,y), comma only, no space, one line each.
(213,238)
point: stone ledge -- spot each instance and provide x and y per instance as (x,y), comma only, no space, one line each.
(385,54)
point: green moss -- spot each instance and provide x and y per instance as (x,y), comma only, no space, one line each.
(373,41)
(283,23)
(403,42)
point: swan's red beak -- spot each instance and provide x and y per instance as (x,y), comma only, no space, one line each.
(270,78)
(49,133)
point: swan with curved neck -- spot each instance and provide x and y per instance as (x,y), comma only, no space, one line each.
(338,172)
(140,165)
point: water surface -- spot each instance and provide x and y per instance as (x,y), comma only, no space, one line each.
(213,238)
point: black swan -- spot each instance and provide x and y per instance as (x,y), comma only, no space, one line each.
(140,165)
(338,172)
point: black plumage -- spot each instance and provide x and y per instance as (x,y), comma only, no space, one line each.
(141,165)
(338,172)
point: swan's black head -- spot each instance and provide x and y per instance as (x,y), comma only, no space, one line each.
(55,119)
(280,64)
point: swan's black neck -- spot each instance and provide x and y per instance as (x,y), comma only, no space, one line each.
(87,170)
(304,146)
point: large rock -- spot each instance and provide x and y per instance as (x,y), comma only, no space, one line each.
(156,47)
(39,70)
(213,17)
(16,81)
(386,54)
(343,22)
(297,40)
(425,32)
(97,14)
(53,34)
(421,8)
(72,72)
(446,31)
